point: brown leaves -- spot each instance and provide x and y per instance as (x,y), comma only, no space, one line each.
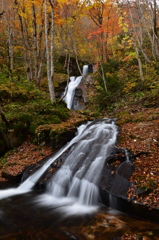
(26,155)
(143,137)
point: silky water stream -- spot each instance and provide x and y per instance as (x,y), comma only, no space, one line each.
(70,207)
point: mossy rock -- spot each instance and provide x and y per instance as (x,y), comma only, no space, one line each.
(48,135)
(58,135)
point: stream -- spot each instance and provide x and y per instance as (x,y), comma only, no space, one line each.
(21,219)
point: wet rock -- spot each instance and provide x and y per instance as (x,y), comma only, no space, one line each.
(81,92)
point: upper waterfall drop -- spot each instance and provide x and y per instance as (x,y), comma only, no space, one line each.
(85,70)
(73,84)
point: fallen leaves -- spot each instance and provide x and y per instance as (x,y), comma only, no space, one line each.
(26,155)
(145,139)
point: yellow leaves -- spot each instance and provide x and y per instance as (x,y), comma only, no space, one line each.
(96,83)
(108,74)
(129,86)
(125,29)
(120,21)
(125,38)
(18,48)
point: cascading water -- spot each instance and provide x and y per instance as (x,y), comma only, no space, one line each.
(85,70)
(73,84)
(76,181)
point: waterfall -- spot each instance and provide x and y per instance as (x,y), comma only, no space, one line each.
(75,183)
(85,70)
(73,84)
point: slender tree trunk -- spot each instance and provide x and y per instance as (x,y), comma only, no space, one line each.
(52,40)
(76,55)
(103,77)
(68,76)
(152,17)
(25,47)
(35,42)
(135,46)
(138,59)
(10,33)
(40,68)
(136,34)
(10,54)
(142,15)
(48,50)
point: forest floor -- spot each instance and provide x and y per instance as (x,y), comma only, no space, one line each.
(138,132)
(142,135)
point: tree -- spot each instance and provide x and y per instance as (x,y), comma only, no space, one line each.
(49,47)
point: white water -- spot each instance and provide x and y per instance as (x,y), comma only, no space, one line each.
(73,189)
(73,84)
(85,70)
(127,155)
(28,184)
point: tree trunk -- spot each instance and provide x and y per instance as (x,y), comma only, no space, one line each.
(48,50)
(136,34)
(103,77)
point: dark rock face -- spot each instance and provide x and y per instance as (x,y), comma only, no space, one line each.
(60,89)
(115,179)
(80,97)
(78,101)
(132,208)
(90,68)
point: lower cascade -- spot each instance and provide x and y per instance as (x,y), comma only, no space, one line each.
(75,183)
